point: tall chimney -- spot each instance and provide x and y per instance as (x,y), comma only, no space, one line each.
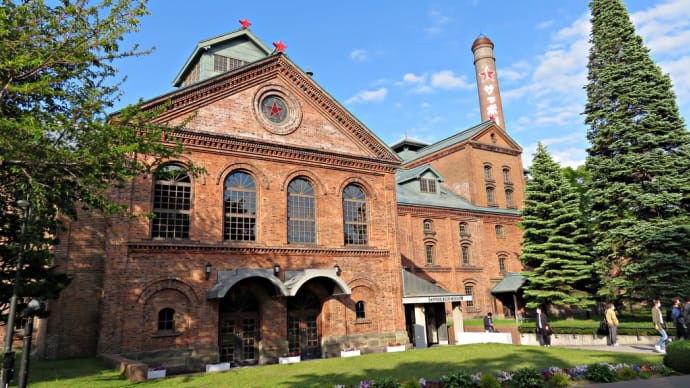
(487,81)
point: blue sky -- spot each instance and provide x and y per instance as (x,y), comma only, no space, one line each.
(405,68)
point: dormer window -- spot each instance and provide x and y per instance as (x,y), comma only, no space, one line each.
(222,63)
(427,185)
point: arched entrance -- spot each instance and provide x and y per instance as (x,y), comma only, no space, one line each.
(239,327)
(304,333)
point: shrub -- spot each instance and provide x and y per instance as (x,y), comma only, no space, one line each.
(527,378)
(385,382)
(489,381)
(600,373)
(411,384)
(677,356)
(560,380)
(625,374)
(459,379)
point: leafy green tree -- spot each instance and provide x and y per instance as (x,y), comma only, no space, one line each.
(59,149)
(639,161)
(554,239)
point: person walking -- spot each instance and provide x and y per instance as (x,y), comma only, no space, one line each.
(678,320)
(612,322)
(489,323)
(660,325)
(686,316)
(543,328)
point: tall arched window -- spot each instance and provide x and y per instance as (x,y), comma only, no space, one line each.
(502,264)
(360,312)
(429,255)
(301,212)
(172,202)
(354,216)
(465,250)
(166,319)
(509,198)
(487,172)
(506,175)
(239,204)
(490,196)
(469,291)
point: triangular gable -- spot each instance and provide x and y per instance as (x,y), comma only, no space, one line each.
(276,69)
(240,44)
(496,136)
(406,175)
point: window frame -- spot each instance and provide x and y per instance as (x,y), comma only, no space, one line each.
(357,203)
(171,203)
(301,212)
(230,218)
(166,320)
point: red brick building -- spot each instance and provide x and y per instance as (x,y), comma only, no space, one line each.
(304,234)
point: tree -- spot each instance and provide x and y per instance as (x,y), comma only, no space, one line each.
(554,238)
(59,148)
(639,161)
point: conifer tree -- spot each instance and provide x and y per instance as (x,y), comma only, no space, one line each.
(639,162)
(554,239)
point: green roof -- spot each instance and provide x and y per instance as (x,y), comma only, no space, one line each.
(511,283)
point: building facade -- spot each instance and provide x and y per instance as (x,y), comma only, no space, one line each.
(303,234)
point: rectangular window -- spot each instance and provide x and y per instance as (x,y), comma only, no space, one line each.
(222,63)
(502,264)
(469,290)
(427,185)
(429,255)
(465,255)
(301,221)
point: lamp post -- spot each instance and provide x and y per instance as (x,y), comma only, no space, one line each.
(35,307)
(8,356)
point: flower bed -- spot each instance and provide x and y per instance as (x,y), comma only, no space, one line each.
(553,376)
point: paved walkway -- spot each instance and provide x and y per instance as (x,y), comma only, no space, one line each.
(656,382)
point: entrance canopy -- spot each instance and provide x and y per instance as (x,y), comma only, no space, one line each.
(510,284)
(227,279)
(293,281)
(417,290)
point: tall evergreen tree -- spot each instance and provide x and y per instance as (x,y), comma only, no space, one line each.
(639,160)
(554,239)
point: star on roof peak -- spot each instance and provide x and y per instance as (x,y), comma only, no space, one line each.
(245,23)
(279,45)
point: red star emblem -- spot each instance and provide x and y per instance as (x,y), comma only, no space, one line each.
(245,23)
(487,74)
(492,118)
(275,110)
(279,45)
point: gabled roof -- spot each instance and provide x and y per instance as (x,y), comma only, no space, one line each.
(413,285)
(405,175)
(459,137)
(220,39)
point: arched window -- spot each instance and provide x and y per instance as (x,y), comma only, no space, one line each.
(469,291)
(172,203)
(509,198)
(301,212)
(359,310)
(166,319)
(499,231)
(465,250)
(490,196)
(502,264)
(239,204)
(487,172)
(464,231)
(354,216)
(506,175)
(428,226)
(429,254)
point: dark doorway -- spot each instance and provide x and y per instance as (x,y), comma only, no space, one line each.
(239,328)
(304,334)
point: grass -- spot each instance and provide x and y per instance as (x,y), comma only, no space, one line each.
(429,363)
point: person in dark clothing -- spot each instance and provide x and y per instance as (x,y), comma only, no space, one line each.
(678,320)
(488,323)
(686,317)
(543,328)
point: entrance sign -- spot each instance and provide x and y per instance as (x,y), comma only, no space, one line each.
(436,299)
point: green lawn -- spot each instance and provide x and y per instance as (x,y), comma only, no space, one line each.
(429,363)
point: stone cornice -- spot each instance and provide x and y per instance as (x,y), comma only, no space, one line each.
(143,247)
(262,150)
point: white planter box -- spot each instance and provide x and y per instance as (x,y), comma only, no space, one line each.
(396,348)
(222,366)
(349,353)
(289,360)
(155,374)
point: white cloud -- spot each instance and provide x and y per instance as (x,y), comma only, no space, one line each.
(414,79)
(359,55)
(368,95)
(446,79)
